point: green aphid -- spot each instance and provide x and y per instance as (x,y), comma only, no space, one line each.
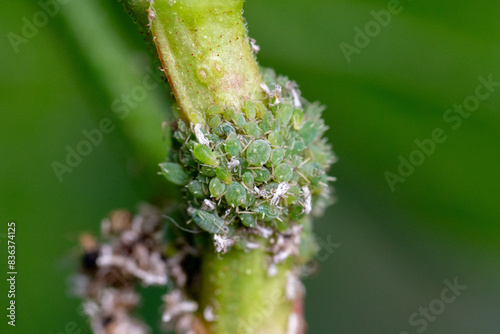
(250,201)
(229,114)
(262,175)
(264,126)
(236,194)
(227,128)
(252,129)
(308,132)
(275,126)
(313,172)
(249,110)
(296,212)
(297,119)
(174,173)
(209,222)
(277,156)
(247,219)
(179,136)
(295,177)
(181,126)
(214,110)
(284,113)
(215,121)
(216,187)
(224,175)
(293,194)
(239,120)
(233,145)
(283,172)
(218,131)
(205,155)
(275,138)
(295,145)
(248,179)
(186,159)
(258,153)
(207,171)
(267,212)
(260,108)
(196,189)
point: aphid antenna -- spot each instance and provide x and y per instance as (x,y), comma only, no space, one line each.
(182,228)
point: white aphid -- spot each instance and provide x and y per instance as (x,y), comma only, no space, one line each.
(200,136)
(280,192)
(222,242)
(307,199)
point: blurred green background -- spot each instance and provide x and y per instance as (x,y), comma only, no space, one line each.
(396,247)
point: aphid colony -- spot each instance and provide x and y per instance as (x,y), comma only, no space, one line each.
(264,165)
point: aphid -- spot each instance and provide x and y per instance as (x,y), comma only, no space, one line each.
(214,110)
(247,219)
(279,193)
(174,173)
(277,156)
(236,194)
(308,132)
(229,114)
(215,121)
(205,155)
(221,243)
(313,172)
(283,172)
(250,110)
(293,193)
(224,175)
(250,200)
(199,135)
(233,163)
(267,212)
(239,120)
(248,179)
(296,145)
(208,222)
(297,119)
(264,126)
(196,117)
(284,113)
(233,145)
(258,153)
(207,171)
(196,189)
(275,138)
(227,128)
(252,129)
(262,175)
(216,187)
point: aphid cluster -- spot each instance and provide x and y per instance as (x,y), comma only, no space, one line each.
(262,166)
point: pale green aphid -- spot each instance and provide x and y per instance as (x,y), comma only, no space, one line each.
(239,120)
(252,129)
(247,219)
(284,113)
(283,172)
(262,175)
(275,138)
(296,145)
(264,126)
(258,153)
(277,156)
(267,212)
(233,145)
(313,171)
(229,114)
(215,121)
(293,193)
(249,110)
(216,187)
(174,173)
(205,155)
(214,110)
(248,179)
(250,200)
(224,175)
(227,128)
(236,194)
(207,171)
(196,189)
(208,222)
(308,132)
(297,119)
